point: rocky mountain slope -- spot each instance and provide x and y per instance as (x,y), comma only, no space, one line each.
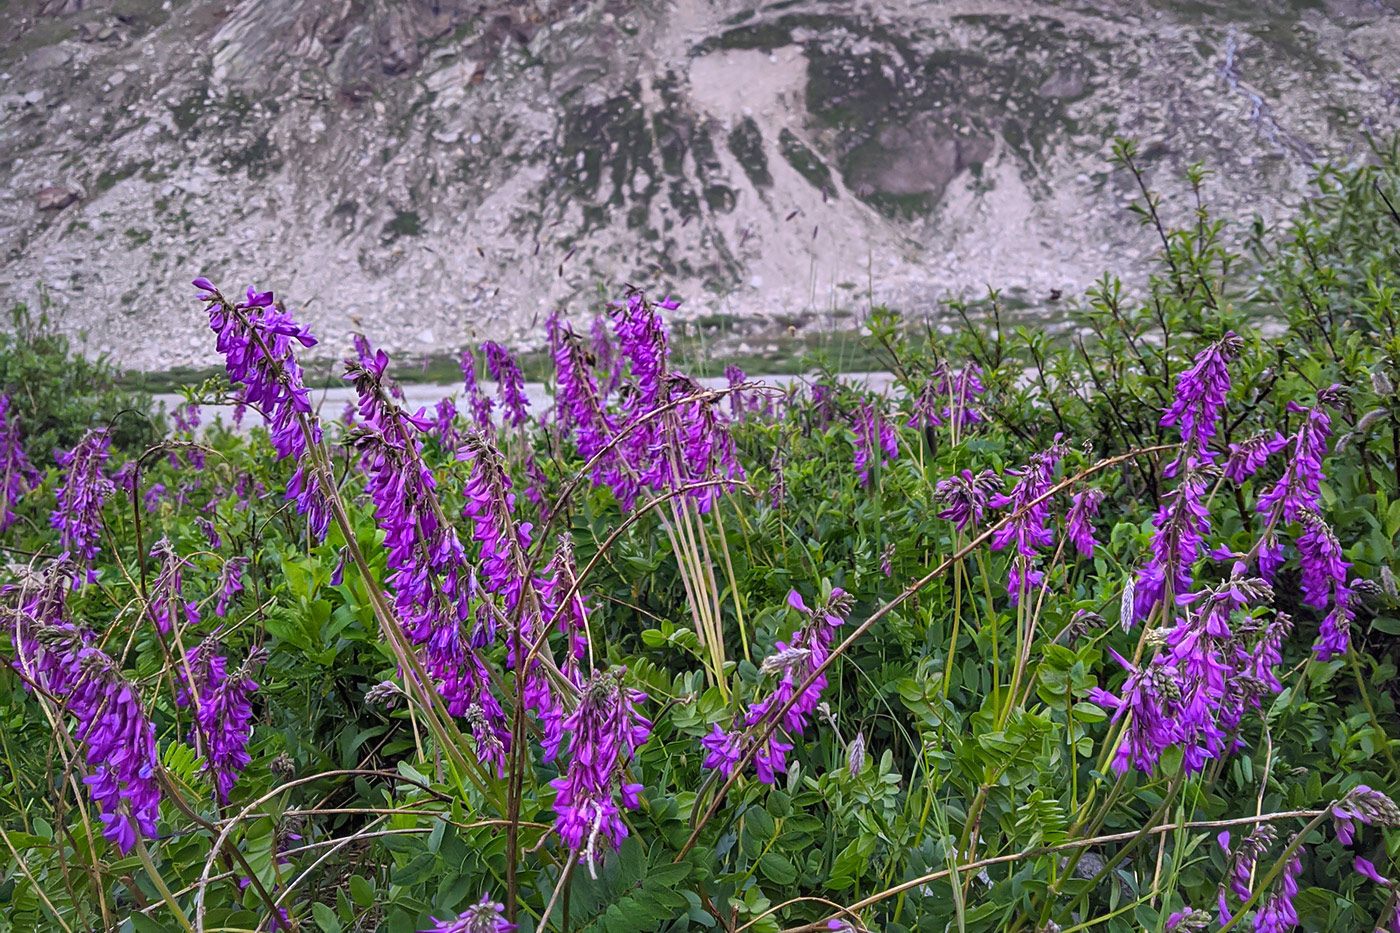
(429,171)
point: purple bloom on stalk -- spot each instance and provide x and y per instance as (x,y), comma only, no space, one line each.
(1298,489)
(1148,698)
(166,599)
(605,731)
(17,475)
(1026,525)
(428,572)
(485,916)
(117,739)
(85,487)
(230,582)
(478,401)
(255,338)
(792,663)
(223,713)
(1277,914)
(1362,805)
(444,423)
(735,377)
(1182,523)
(1078,527)
(604,353)
(1199,400)
(966,496)
(510,382)
(947,398)
(1246,458)
(876,440)
(579,405)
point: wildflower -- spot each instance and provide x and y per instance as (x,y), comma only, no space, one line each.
(1247,457)
(1188,920)
(1277,913)
(966,496)
(17,476)
(85,487)
(255,337)
(604,732)
(1199,400)
(113,731)
(223,713)
(1077,523)
(478,401)
(792,663)
(1030,510)
(1362,805)
(947,397)
(444,422)
(1366,868)
(875,440)
(230,582)
(578,402)
(735,377)
(428,572)
(1182,522)
(509,381)
(1298,489)
(485,916)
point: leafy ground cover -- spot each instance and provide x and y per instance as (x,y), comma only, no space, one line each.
(1094,631)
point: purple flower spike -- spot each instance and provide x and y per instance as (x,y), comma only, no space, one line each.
(79,514)
(223,714)
(17,476)
(1078,527)
(510,382)
(485,916)
(966,496)
(1028,517)
(1199,401)
(604,732)
(256,341)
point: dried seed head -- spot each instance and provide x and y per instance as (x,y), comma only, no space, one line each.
(1125,605)
(1369,420)
(283,766)
(1380,383)
(1388,582)
(781,661)
(385,693)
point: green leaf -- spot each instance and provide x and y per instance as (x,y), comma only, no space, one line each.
(777,869)
(325,918)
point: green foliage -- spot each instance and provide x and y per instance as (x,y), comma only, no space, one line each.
(958,775)
(57,394)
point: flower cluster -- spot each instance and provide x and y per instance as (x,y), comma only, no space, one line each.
(965,496)
(85,487)
(223,713)
(947,398)
(793,663)
(1182,523)
(1030,509)
(1277,913)
(605,731)
(1079,528)
(167,589)
(510,383)
(64,662)
(255,336)
(876,440)
(429,576)
(478,402)
(17,475)
(1199,401)
(485,916)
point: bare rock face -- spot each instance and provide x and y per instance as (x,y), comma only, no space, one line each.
(435,171)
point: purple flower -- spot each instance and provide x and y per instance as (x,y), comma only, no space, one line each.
(1148,699)
(1277,914)
(1365,867)
(966,496)
(429,576)
(1246,458)
(876,440)
(579,405)
(223,714)
(79,514)
(735,377)
(230,582)
(17,476)
(1298,489)
(255,338)
(1026,525)
(605,731)
(1182,523)
(1078,528)
(165,592)
(117,739)
(1362,805)
(485,916)
(791,663)
(1199,400)
(947,396)
(478,401)
(445,423)
(510,383)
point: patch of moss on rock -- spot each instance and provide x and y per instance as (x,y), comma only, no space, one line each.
(808,164)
